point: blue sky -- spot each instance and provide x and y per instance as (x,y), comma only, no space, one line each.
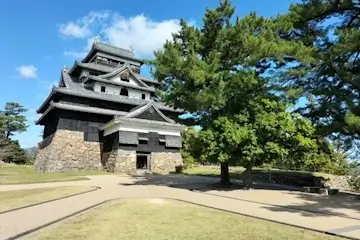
(40,36)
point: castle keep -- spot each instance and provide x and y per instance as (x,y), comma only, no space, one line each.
(105,115)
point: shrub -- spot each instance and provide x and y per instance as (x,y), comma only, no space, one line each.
(179,169)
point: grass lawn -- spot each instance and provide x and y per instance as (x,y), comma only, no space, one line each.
(20,198)
(20,174)
(140,219)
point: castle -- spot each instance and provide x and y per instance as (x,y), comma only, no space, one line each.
(105,115)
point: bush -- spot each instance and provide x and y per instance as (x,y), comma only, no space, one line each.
(355,178)
(189,161)
(179,169)
(11,152)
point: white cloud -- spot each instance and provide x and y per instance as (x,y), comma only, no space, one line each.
(74,30)
(83,27)
(75,54)
(142,34)
(27,71)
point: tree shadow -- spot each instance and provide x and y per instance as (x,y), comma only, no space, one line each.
(343,205)
(199,183)
(274,197)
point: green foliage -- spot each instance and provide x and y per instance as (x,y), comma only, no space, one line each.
(11,120)
(11,152)
(263,132)
(191,147)
(329,76)
(239,77)
(217,72)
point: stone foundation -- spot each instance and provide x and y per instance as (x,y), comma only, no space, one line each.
(67,151)
(165,161)
(125,161)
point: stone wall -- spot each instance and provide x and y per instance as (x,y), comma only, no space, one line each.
(339,182)
(165,161)
(67,151)
(125,161)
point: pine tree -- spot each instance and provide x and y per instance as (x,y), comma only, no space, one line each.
(218,73)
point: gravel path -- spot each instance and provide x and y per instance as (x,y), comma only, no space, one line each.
(257,203)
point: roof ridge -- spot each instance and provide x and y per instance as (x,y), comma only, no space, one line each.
(113,46)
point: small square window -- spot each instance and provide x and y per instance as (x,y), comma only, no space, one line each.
(143,141)
(103,89)
(143,96)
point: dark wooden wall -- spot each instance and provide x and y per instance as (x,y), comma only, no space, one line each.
(152,145)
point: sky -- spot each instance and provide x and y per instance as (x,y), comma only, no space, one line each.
(39,37)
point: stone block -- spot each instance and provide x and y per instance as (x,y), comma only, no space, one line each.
(125,161)
(68,152)
(165,161)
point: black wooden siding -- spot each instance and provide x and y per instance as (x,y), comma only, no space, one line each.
(82,122)
(152,145)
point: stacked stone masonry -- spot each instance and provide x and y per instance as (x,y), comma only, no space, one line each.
(68,152)
(125,161)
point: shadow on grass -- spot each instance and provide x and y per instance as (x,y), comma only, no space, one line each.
(274,197)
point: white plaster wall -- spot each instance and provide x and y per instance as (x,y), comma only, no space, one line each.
(143,128)
(111,89)
(131,80)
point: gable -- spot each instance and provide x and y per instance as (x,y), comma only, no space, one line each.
(129,80)
(124,75)
(151,114)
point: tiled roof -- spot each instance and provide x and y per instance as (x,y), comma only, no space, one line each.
(125,67)
(119,119)
(121,83)
(138,120)
(78,108)
(115,51)
(107,70)
(135,112)
(81,92)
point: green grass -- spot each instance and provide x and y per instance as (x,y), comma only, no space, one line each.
(20,198)
(140,219)
(22,174)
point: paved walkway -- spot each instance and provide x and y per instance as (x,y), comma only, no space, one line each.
(272,205)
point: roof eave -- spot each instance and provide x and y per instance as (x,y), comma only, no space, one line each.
(141,61)
(76,64)
(109,124)
(44,114)
(121,119)
(86,58)
(53,90)
(94,78)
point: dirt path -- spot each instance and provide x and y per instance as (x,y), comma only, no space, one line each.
(257,203)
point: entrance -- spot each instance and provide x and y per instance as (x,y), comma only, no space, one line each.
(142,161)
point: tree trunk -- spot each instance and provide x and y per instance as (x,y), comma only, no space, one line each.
(248,180)
(225,176)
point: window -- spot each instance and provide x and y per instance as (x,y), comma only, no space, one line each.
(143,96)
(143,140)
(103,88)
(162,140)
(124,92)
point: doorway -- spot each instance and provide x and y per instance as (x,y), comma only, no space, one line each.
(142,161)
